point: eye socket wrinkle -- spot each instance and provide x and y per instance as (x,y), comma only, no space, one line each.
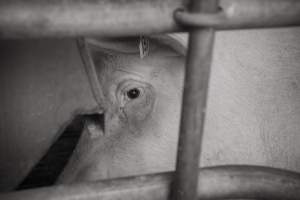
(131,73)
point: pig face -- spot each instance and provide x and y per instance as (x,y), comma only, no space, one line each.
(142,99)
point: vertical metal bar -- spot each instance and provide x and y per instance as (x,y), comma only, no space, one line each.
(197,74)
(91,72)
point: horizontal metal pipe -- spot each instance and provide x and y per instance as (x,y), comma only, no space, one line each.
(220,182)
(60,18)
(69,18)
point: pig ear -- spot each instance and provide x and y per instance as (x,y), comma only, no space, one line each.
(91,73)
(177,41)
(126,45)
(132,45)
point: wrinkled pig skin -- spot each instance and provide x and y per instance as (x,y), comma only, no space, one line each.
(138,129)
(252,117)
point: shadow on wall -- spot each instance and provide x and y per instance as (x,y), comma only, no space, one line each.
(43,86)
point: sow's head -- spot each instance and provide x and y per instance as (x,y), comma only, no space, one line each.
(141,80)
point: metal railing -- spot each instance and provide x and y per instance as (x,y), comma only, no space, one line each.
(67,18)
(221,182)
(72,18)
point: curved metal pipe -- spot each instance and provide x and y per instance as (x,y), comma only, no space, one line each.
(219,182)
(245,14)
(251,182)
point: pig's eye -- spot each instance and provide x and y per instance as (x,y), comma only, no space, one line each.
(135,101)
(133,93)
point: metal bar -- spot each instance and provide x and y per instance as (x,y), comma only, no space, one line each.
(245,14)
(70,18)
(91,73)
(221,182)
(197,72)
(60,18)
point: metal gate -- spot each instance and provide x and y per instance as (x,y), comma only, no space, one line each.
(201,18)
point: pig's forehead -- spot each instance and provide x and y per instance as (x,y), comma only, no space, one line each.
(120,58)
(149,68)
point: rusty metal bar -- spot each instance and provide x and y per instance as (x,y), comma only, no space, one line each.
(221,182)
(197,72)
(69,18)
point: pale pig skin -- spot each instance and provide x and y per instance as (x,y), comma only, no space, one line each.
(252,116)
(137,132)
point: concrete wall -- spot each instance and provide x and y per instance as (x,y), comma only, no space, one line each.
(254,101)
(43,85)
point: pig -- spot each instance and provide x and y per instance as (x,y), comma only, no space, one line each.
(142,98)
(252,106)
